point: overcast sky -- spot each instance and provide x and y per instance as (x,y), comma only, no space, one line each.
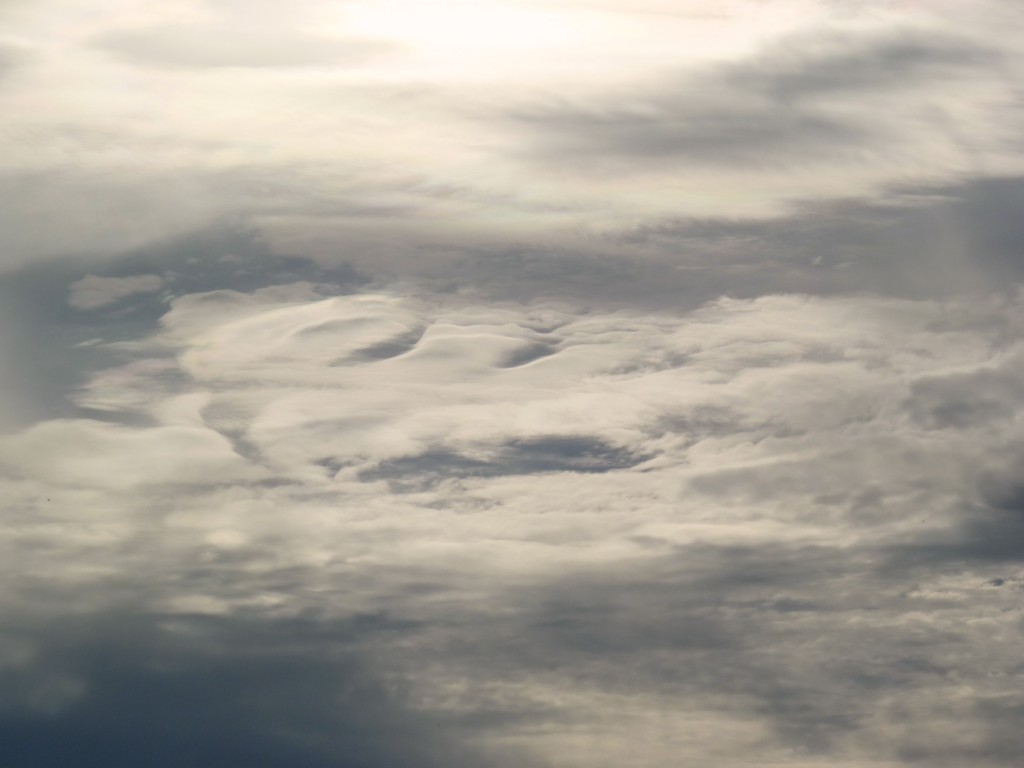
(511,383)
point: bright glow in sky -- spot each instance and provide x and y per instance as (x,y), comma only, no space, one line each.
(479,28)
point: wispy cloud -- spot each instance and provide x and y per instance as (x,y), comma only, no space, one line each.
(813,98)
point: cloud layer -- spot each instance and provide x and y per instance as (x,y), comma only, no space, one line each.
(821,99)
(783,523)
(497,384)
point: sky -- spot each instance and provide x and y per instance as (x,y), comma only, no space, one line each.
(511,384)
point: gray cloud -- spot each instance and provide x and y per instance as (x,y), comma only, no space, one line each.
(525,456)
(230,46)
(801,102)
(731,515)
(54,342)
(338,431)
(961,401)
(92,292)
(11,56)
(718,626)
(130,689)
(919,241)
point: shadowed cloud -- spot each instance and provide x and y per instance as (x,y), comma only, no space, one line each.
(785,106)
(498,384)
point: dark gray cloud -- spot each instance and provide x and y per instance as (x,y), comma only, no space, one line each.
(966,400)
(121,690)
(799,102)
(801,69)
(917,241)
(719,624)
(100,215)
(986,527)
(913,241)
(527,456)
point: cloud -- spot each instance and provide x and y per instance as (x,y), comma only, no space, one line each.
(51,349)
(800,101)
(231,46)
(757,515)
(669,420)
(916,241)
(513,457)
(100,214)
(92,292)
(11,57)
(133,689)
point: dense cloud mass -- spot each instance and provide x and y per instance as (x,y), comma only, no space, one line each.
(583,384)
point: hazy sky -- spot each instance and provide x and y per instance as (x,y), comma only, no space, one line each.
(511,384)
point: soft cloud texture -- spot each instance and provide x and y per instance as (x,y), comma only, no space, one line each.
(499,384)
(227,34)
(92,292)
(648,508)
(810,99)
